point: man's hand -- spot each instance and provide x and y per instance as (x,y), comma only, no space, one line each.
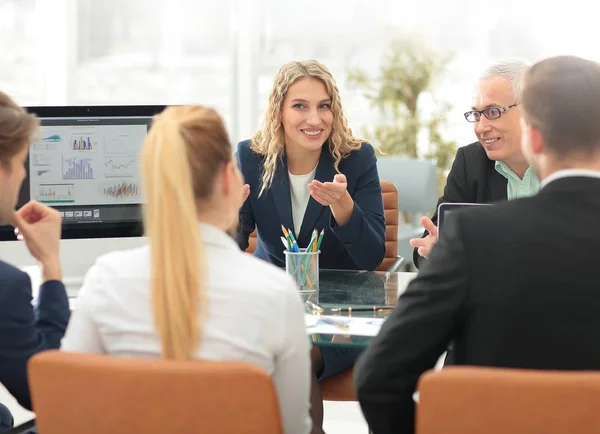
(40,227)
(424,245)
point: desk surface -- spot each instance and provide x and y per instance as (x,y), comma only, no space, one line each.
(356,289)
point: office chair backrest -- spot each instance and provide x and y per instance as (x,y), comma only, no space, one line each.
(97,394)
(468,400)
(252,240)
(390,206)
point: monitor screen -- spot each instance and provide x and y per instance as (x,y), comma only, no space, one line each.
(85,162)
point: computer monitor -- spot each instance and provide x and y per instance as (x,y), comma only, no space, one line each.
(86,163)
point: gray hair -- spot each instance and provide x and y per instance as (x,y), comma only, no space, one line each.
(512,70)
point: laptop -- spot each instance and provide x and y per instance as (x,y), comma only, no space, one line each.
(447,208)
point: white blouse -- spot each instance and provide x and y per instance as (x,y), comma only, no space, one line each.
(300,195)
(255,315)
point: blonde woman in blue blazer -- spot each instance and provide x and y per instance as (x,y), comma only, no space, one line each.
(305,170)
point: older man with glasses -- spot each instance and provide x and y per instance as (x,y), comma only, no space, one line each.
(493,168)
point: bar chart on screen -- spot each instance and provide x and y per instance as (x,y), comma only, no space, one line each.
(77,168)
(82,142)
(124,191)
(55,193)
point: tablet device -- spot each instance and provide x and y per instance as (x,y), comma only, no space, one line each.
(447,208)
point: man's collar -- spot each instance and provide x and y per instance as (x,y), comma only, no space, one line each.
(568,173)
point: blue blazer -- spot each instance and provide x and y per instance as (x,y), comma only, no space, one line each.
(359,244)
(25,329)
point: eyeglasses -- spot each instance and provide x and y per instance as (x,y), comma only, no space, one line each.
(490,113)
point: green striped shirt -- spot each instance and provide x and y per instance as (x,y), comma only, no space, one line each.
(517,187)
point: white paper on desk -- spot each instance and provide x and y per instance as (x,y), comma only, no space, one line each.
(356,326)
(310,320)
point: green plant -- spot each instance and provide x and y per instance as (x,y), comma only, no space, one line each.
(409,70)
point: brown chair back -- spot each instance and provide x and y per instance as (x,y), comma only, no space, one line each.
(468,400)
(252,239)
(97,394)
(390,207)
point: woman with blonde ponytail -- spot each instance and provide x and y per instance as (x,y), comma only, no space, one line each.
(191,293)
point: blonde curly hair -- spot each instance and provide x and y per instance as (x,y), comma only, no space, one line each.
(270,141)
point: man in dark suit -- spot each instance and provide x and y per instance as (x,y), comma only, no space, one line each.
(497,282)
(493,168)
(25,329)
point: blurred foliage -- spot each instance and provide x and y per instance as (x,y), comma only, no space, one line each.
(409,70)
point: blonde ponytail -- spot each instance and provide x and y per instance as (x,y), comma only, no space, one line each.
(177,253)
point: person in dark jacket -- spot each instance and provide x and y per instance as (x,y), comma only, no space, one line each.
(493,168)
(26,329)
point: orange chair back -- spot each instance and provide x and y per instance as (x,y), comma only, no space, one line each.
(97,394)
(469,400)
(390,207)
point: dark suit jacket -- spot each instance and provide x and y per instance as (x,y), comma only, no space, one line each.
(25,329)
(359,244)
(472,179)
(514,285)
